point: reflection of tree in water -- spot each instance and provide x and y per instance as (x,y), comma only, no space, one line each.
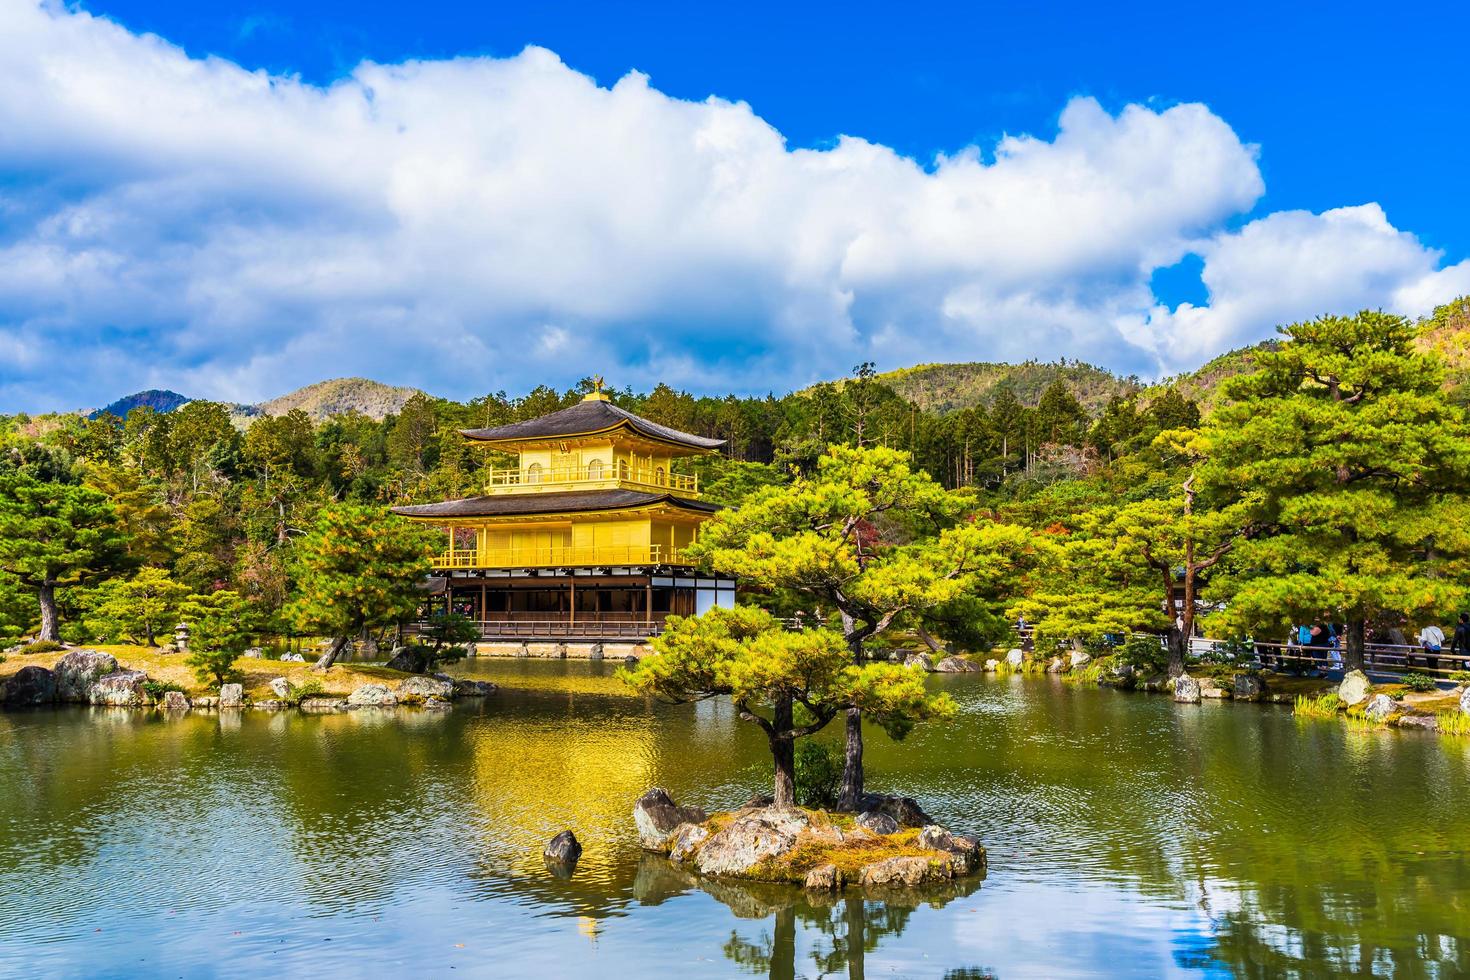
(850,926)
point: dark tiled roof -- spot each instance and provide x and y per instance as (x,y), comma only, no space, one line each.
(589,416)
(575,501)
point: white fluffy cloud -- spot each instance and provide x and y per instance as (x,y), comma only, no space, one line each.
(480,223)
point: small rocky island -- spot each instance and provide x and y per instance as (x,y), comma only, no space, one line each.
(891,843)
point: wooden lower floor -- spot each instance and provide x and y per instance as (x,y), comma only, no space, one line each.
(566,604)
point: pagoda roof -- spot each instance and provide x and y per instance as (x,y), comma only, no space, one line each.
(532,504)
(590,416)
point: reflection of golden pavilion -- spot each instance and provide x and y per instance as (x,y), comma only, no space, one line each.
(584,537)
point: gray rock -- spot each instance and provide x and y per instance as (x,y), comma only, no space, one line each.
(1156,682)
(965,856)
(991,666)
(32,684)
(464,688)
(1247,687)
(1055,665)
(253,653)
(1186,689)
(919,660)
(749,840)
(437,704)
(1354,688)
(595,652)
(206,702)
(121,688)
(231,695)
(323,706)
(955,665)
(903,809)
(1123,675)
(826,877)
(524,650)
(878,822)
(372,696)
(1429,722)
(563,848)
(1465,701)
(1079,658)
(175,701)
(656,816)
(1380,706)
(410,660)
(686,840)
(76,671)
(293,658)
(281,687)
(1210,688)
(901,872)
(1014,658)
(271,704)
(422,688)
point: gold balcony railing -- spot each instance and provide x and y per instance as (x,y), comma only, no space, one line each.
(655,478)
(557,557)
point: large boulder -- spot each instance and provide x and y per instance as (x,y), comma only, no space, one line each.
(31,684)
(656,816)
(897,872)
(410,660)
(292,658)
(1354,688)
(563,848)
(1055,665)
(175,701)
(991,666)
(1247,687)
(878,822)
(919,660)
(964,855)
(1186,689)
(231,695)
(1014,659)
(280,687)
(422,688)
(1210,688)
(1465,700)
(955,665)
(826,877)
(121,688)
(372,696)
(1078,659)
(903,809)
(464,688)
(750,839)
(686,840)
(1380,706)
(77,670)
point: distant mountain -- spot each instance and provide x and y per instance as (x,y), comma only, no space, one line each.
(328,398)
(946,387)
(159,401)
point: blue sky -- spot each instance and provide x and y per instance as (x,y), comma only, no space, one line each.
(491,218)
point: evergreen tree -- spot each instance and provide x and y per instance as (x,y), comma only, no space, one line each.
(137,608)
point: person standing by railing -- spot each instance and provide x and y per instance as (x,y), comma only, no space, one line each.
(1460,645)
(1431,641)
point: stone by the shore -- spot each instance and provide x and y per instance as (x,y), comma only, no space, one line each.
(904,872)
(1186,689)
(1055,665)
(1354,688)
(1380,706)
(991,666)
(1210,689)
(1014,658)
(687,839)
(175,701)
(292,658)
(1247,687)
(410,660)
(955,665)
(231,695)
(1465,701)
(965,855)
(464,688)
(271,704)
(1079,658)
(206,702)
(903,809)
(826,877)
(922,660)
(563,848)
(656,816)
(749,839)
(280,687)
(437,704)
(119,689)
(323,706)
(78,670)
(31,684)
(421,688)
(372,696)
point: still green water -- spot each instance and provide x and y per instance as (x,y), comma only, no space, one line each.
(1127,835)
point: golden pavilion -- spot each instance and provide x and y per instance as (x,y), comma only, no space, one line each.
(584,537)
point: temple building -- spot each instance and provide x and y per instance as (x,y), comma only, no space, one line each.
(584,538)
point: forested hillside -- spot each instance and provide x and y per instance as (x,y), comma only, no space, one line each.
(945,387)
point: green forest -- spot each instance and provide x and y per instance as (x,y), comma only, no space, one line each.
(1322,474)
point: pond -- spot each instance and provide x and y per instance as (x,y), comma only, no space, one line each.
(1127,835)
